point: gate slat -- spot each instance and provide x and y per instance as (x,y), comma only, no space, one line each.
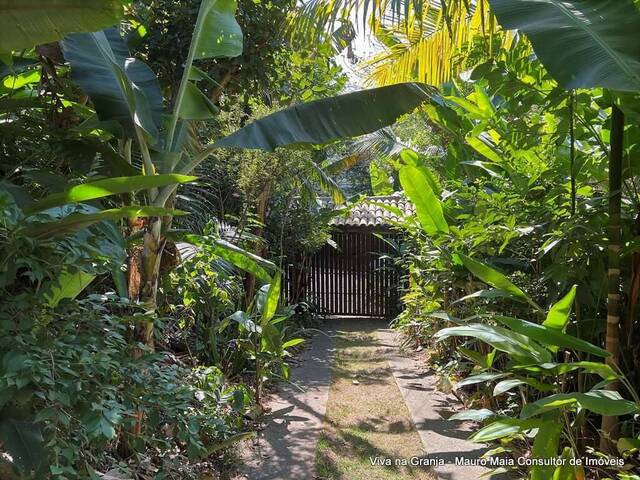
(350,280)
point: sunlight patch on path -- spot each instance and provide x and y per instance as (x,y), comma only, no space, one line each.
(430,409)
(367,420)
(285,449)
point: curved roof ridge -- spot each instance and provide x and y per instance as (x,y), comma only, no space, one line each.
(369,212)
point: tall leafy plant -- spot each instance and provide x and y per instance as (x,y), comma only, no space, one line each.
(123,89)
(587,44)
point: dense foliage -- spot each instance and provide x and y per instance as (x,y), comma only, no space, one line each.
(161,165)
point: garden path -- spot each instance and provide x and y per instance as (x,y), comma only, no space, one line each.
(287,448)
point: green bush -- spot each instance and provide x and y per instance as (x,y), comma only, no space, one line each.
(71,393)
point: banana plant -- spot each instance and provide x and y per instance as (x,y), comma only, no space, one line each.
(263,338)
(531,368)
(63,214)
(126,90)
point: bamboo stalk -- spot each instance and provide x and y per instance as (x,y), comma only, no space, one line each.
(609,427)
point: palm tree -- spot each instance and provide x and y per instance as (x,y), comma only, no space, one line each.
(422,40)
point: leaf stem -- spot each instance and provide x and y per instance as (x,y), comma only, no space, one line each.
(197,31)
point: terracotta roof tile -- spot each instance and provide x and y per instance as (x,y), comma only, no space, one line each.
(371,212)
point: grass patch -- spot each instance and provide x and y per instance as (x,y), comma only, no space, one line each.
(366,416)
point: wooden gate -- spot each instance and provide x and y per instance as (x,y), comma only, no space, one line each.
(356,277)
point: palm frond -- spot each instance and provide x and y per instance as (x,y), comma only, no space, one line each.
(324,15)
(326,183)
(382,143)
(423,40)
(434,49)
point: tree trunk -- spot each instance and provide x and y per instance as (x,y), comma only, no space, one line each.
(572,152)
(261,213)
(609,426)
(144,272)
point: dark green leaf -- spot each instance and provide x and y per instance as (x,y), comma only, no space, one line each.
(503,428)
(195,105)
(601,369)
(27,23)
(519,346)
(583,43)
(121,88)
(244,260)
(602,402)
(330,119)
(496,279)
(550,337)
(24,442)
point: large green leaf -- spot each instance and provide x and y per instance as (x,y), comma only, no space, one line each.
(78,221)
(244,260)
(121,88)
(518,346)
(558,315)
(496,279)
(474,415)
(243,319)
(26,23)
(428,206)
(24,442)
(67,285)
(602,402)
(550,337)
(195,104)
(321,121)
(485,361)
(503,428)
(601,369)
(583,43)
(488,294)
(104,188)
(506,385)
(220,35)
(480,378)
(271,301)
(545,446)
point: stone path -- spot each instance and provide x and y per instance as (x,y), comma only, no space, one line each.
(430,409)
(286,449)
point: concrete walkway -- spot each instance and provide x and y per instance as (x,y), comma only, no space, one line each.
(430,409)
(286,448)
